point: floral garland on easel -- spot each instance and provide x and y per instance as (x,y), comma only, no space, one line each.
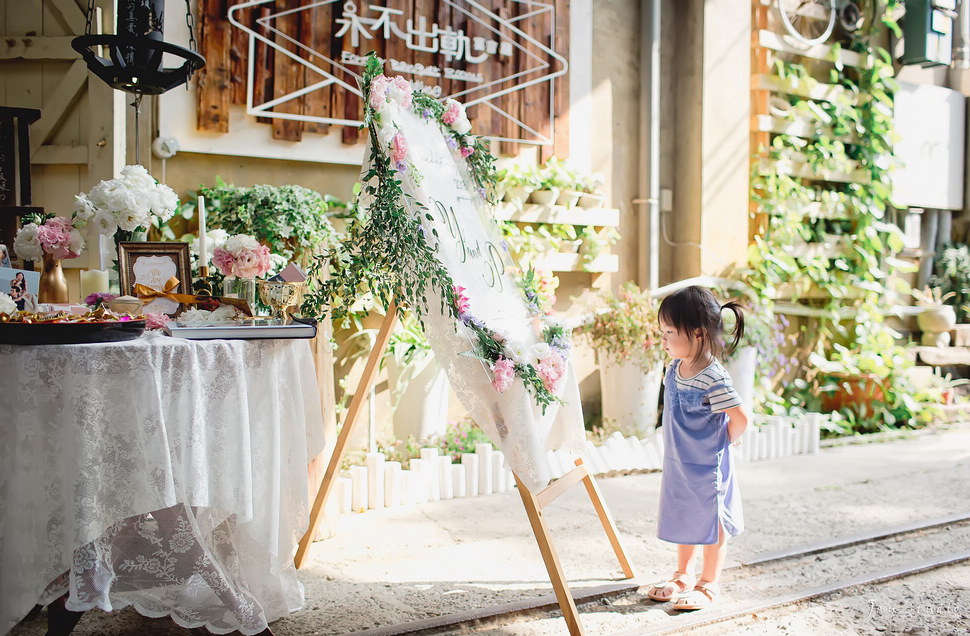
(406,268)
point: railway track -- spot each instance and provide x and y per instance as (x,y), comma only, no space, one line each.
(769,581)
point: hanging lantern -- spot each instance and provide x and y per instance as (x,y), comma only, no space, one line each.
(135,53)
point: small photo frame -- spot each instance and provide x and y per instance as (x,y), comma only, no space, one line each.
(22,285)
(152,264)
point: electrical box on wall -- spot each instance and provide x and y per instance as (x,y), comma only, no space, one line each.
(928,32)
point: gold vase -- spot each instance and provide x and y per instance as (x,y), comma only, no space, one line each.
(53,285)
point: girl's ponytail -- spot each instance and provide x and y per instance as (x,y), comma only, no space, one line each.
(735,307)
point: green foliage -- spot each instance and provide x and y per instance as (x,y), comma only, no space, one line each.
(839,206)
(625,326)
(951,275)
(292,220)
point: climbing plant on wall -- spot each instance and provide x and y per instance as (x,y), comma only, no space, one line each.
(822,197)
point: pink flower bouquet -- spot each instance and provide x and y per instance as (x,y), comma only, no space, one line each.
(242,256)
(57,236)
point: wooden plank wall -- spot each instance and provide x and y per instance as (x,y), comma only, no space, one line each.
(224,79)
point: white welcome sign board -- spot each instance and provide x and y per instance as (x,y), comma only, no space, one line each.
(470,249)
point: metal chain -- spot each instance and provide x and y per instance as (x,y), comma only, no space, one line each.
(90,17)
(189,22)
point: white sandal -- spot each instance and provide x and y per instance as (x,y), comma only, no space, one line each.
(703,595)
(678,583)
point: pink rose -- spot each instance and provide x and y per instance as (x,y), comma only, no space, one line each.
(503,372)
(246,265)
(399,148)
(452,112)
(223,260)
(155,319)
(466,152)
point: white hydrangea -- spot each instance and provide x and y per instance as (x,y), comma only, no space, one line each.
(27,244)
(7,305)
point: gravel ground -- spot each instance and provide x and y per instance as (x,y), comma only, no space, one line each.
(387,568)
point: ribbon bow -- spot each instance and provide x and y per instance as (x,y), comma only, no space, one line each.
(146,293)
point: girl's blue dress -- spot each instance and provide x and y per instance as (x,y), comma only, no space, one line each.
(698,488)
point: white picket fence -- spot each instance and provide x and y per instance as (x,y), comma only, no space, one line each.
(383,484)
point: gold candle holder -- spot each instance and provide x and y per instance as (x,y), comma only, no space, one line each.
(205,288)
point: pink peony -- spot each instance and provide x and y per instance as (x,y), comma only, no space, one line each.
(504,374)
(223,260)
(378,92)
(246,265)
(452,112)
(399,148)
(461,298)
(551,369)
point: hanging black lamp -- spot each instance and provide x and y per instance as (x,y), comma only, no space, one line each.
(135,53)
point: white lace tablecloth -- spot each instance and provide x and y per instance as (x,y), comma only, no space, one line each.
(162,473)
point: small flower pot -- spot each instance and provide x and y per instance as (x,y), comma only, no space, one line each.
(518,194)
(592,201)
(546,196)
(568,197)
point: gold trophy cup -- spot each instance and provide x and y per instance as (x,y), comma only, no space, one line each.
(280,296)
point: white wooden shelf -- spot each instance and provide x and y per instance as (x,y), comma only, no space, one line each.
(814,90)
(798,127)
(781,43)
(534,213)
(569,262)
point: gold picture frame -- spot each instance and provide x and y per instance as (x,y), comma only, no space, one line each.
(152,264)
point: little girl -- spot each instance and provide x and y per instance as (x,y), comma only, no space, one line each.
(702,416)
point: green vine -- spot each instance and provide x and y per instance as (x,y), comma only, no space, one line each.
(823,241)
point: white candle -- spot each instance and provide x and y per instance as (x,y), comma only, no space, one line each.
(93,281)
(203,248)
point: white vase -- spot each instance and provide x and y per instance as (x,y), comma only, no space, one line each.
(741,368)
(545,196)
(630,396)
(422,406)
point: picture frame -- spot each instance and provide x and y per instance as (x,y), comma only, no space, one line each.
(152,264)
(22,285)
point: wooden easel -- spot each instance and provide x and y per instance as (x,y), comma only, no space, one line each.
(533,502)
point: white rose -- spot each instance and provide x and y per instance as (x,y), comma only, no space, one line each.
(104,222)
(76,242)
(462,125)
(165,202)
(27,245)
(541,351)
(241,242)
(386,134)
(83,210)
(218,237)
(7,305)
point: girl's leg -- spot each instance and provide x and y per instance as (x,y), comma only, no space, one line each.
(714,556)
(685,558)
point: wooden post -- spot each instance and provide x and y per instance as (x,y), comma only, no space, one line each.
(353,414)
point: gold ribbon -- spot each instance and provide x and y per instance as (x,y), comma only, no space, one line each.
(147,293)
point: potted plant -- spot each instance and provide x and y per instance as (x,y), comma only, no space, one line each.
(951,274)
(590,186)
(624,331)
(518,181)
(552,179)
(758,357)
(935,319)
